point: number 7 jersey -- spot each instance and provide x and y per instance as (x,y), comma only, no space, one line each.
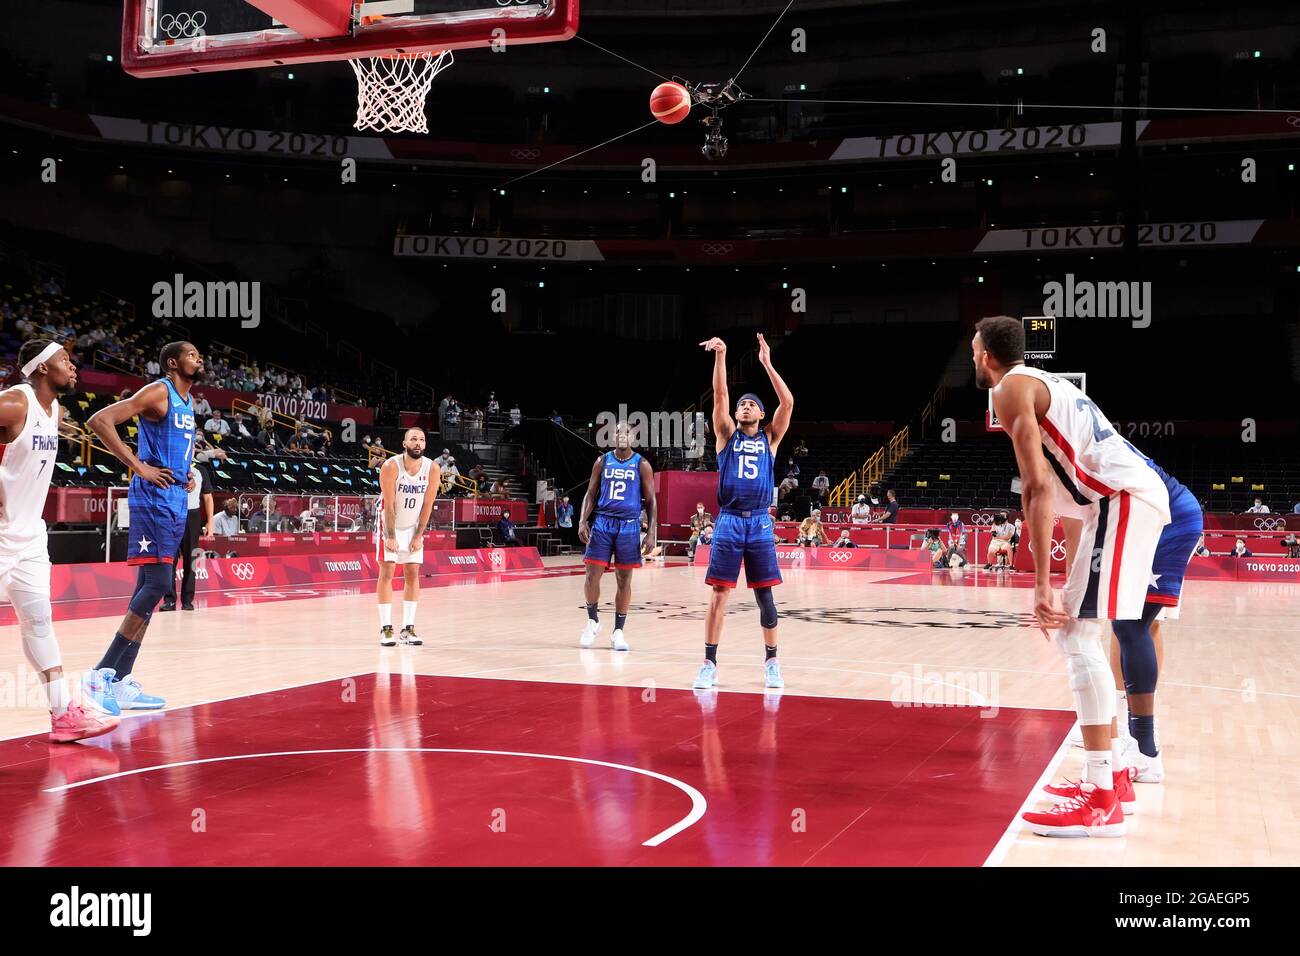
(1090,458)
(168,443)
(25,475)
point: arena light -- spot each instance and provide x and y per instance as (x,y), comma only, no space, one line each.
(109,58)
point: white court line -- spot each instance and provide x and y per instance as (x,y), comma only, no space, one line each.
(1017,826)
(698,804)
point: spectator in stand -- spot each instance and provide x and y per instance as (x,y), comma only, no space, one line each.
(861,513)
(201,406)
(479,476)
(1258,508)
(557,417)
(453,413)
(266,439)
(820,486)
(216,425)
(1296,509)
(801,449)
(297,444)
(698,521)
(377,456)
(1292,545)
(442,411)
(792,468)
(890,514)
(789,484)
(844,541)
(493,406)
(227,522)
(449,475)
(443,460)
(506,530)
(269,519)
(205,451)
(1201,550)
(1239,550)
(152,369)
(564,513)
(811,532)
(500,488)
(241,426)
(516,416)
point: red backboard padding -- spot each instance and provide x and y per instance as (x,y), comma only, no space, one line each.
(310,18)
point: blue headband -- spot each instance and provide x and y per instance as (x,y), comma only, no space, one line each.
(753,398)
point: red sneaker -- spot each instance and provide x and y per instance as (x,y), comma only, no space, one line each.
(77,723)
(1061,792)
(1094,812)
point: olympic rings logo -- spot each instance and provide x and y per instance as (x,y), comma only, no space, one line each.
(982,519)
(1293,120)
(244,572)
(1058,549)
(177,25)
(525,153)
(498,558)
(717,248)
(1270,524)
(841,555)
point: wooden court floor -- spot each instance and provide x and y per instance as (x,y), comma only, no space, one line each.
(882,674)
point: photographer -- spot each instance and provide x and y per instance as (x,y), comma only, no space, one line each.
(1292,545)
(999,553)
(844,541)
(811,531)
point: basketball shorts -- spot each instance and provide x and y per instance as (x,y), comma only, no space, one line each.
(743,537)
(1111,570)
(404,536)
(157,527)
(614,541)
(25,571)
(1174,553)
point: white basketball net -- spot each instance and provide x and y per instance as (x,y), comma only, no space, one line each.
(391,90)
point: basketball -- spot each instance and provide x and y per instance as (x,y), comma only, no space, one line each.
(670,103)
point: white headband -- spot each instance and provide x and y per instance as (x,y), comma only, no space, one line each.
(47,353)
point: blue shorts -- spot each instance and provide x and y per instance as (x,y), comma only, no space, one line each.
(1174,550)
(737,538)
(157,527)
(614,541)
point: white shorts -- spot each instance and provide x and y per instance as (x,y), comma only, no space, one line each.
(403,556)
(25,571)
(1111,570)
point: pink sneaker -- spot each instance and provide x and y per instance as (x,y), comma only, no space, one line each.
(77,723)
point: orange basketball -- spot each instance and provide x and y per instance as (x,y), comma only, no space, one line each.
(670,103)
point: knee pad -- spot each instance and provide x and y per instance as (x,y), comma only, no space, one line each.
(766,607)
(37,628)
(152,582)
(1088,670)
(1137,652)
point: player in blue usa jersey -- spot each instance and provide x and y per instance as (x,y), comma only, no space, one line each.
(746,453)
(621,480)
(158,502)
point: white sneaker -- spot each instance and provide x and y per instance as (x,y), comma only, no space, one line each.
(617,641)
(1147,769)
(772,674)
(589,634)
(707,677)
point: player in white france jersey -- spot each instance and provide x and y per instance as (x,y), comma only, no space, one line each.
(1113,506)
(409,486)
(29,431)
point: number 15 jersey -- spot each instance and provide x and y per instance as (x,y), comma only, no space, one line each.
(745,473)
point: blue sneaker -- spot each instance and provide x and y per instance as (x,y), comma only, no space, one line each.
(96,693)
(773,672)
(707,677)
(129,696)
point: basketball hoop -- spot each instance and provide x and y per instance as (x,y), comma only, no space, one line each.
(391,90)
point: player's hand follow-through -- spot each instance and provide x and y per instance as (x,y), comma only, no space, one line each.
(764,351)
(714,344)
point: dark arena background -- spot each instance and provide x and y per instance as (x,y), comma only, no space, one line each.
(501,250)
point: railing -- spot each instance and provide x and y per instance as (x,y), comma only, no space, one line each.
(235,353)
(347,397)
(388,371)
(885,458)
(103,359)
(255,410)
(418,387)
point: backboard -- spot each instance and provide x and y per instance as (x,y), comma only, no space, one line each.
(173,37)
(1078,379)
